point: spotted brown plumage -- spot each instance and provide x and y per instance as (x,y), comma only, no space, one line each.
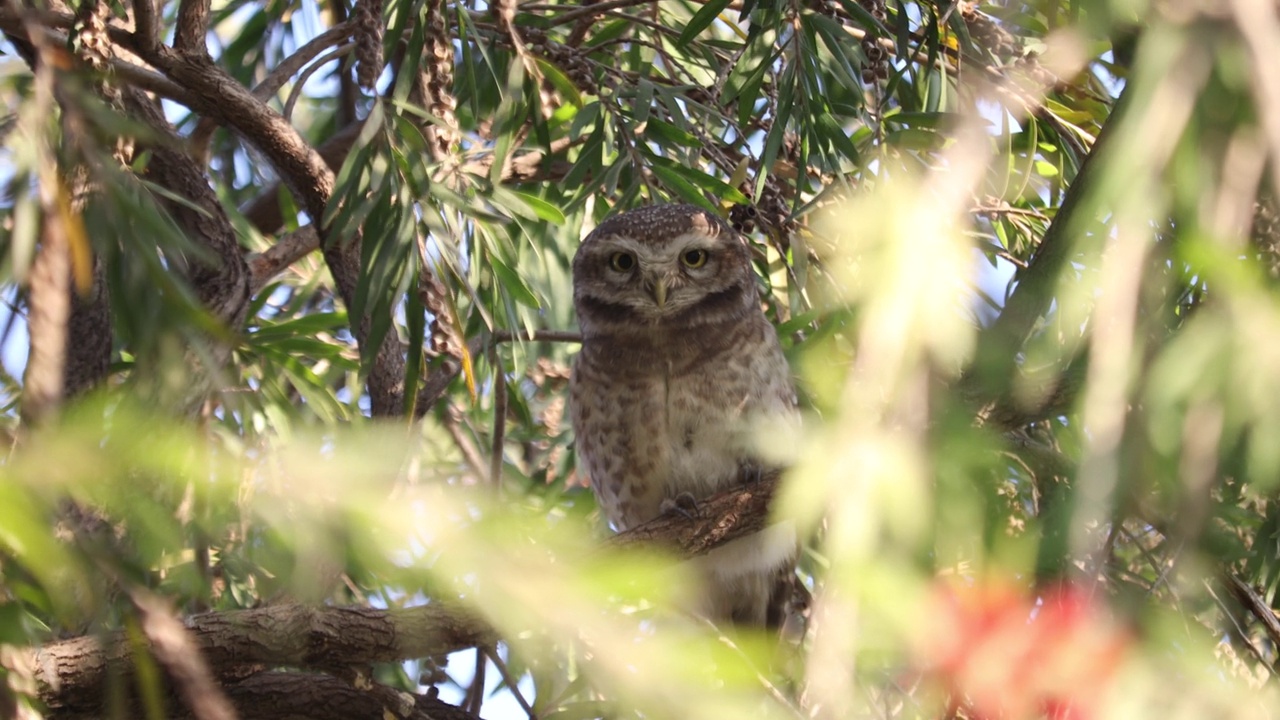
(678,366)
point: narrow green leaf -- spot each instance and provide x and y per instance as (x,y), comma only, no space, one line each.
(543,209)
(672,134)
(611,31)
(686,190)
(512,284)
(701,20)
(560,81)
(709,183)
(304,325)
(773,141)
(838,138)
(416,324)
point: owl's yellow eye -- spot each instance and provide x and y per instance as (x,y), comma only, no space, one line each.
(694,259)
(622,262)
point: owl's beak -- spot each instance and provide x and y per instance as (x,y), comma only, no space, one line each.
(660,292)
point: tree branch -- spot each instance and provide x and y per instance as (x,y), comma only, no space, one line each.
(292,695)
(264,211)
(285,696)
(222,284)
(1255,604)
(147,28)
(311,181)
(193,23)
(290,248)
(73,674)
(272,83)
(1034,292)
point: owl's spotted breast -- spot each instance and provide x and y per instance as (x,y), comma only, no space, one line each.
(653,424)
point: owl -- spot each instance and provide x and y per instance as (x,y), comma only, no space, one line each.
(679,370)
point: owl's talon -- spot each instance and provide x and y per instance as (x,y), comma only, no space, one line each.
(684,504)
(750,474)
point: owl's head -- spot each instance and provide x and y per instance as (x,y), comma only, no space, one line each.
(669,266)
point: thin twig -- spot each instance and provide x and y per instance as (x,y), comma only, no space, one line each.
(1256,605)
(296,92)
(591,9)
(567,336)
(769,686)
(453,425)
(499,663)
(1239,631)
(475,692)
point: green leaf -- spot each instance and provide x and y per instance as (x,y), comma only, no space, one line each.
(838,137)
(305,325)
(560,81)
(512,284)
(543,209)
(611,31)
(672,134)
(416,324)
(773,141)
(701,20)
(711,184)
(682,187)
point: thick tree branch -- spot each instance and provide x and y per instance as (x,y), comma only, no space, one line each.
(223,284)
(284,696)
(264,211)
(218,95)
(272,83)
(72,674)
(1001,343)
(292,695)
(289,248)
(89,357)
(1037,282)
(147,27)
(193,23)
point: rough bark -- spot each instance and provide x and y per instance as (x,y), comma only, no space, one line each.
(221,282)
(73,674)
(89,357)
(291,695)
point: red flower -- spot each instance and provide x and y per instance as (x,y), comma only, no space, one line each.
(1000,652)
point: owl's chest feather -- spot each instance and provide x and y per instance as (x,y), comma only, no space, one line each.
(652,425)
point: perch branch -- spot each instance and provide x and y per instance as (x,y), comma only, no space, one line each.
(72,674)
